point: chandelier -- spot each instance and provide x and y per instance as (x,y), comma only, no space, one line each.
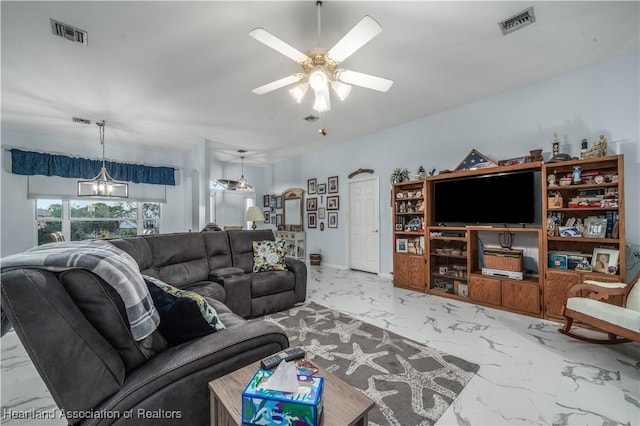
(103,185)
(242,184)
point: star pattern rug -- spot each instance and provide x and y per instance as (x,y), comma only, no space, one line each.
(411,383)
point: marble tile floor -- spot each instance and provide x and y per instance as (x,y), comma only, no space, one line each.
(529,373)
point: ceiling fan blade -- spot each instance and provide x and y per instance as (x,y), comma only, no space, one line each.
(364,80)
(269,87)
(357,37)
(265,37)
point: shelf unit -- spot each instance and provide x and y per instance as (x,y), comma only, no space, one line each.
(295,244)
(409,218)
(601,182)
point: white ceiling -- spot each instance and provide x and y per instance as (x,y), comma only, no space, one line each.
(167,75)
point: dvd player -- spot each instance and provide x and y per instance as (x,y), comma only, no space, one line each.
(514,275)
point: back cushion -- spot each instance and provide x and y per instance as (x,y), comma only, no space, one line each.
(179,259)
(103,307)
(242,246)
(138,248)
(218,251)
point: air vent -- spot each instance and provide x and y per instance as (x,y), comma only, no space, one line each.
(80,120)
(516,22)
(68,32)
(311,118)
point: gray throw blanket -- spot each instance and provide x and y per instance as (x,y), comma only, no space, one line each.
(116,267)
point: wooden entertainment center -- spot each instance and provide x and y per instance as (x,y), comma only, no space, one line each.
(447,260)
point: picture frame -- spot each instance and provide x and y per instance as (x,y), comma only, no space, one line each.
(279,219)
(311,220)
(311,186)
(322,188)
(321,212)
(266,215)
(474,160)
(595,228)
(402,245)
(333,185)
(517,160)
(273,219)
(605,260)
(312,204)
(399,227)
(333,202)
(265,201)
(279,202)
(333,219)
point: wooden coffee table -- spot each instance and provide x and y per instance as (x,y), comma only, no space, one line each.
(343,404)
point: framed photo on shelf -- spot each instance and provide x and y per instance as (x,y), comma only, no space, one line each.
(333,202)
(333,185)
(265,201)
(595,228)
(311,220)
(475,160)
(311,186)
(333,219)
(605,260)
(402,245)
(512,161)
(312,204)
(399,227)
(321,212)
(322,188)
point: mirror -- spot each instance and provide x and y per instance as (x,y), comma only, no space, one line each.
(292,198)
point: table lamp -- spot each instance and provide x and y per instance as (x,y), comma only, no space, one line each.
(254,213)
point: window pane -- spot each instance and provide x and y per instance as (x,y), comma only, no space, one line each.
(90,209)
(85,230)
(48,209)
(45,229)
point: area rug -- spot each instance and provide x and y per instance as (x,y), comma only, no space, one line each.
(410,383)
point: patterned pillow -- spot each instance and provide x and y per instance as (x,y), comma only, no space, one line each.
(184,315)
(268,256)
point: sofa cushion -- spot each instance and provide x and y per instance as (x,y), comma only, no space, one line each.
(268,256)
(217,249)
(179,259)
(184,315)
(208,289)
(221,273)
(241,243)
(271,282)
(138,248)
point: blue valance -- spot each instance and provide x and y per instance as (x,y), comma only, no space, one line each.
(35,163)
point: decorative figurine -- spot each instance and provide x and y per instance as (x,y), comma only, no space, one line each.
(598,150)
(557,156)
(551,179)
(577,174)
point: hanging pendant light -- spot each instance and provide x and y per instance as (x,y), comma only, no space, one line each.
(242,182)
(103,185)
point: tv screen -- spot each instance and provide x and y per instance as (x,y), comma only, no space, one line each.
(503,198)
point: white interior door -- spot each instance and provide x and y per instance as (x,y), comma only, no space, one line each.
(364,222)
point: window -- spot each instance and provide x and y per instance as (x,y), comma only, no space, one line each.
(91,219)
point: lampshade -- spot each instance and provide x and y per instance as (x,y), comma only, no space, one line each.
(323,102)
(318,79)
(103,185)
(297,93)
(341,89)
(254,214)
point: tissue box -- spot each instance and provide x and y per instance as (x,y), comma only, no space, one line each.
(261,406)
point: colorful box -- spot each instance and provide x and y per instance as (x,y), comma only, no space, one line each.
(558,261)
(261,406)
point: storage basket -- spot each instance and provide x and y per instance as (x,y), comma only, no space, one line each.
(314,259)
(503,259)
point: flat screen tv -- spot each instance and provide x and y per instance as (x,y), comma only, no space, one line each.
(502,198)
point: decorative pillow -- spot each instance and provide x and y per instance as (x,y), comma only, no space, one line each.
(184,315)
(268,256)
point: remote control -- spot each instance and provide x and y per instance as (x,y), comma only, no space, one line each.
(286,355)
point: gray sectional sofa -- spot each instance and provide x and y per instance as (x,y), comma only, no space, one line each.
(219,265)
(74,327)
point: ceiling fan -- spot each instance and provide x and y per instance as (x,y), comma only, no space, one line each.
(320,67)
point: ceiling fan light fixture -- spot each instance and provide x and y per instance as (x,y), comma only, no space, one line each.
(318,79)
(297,93)
(323,102)
(341,89)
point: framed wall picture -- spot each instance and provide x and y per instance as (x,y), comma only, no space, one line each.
(595,228)
(402,245)
(273,219)
(333,202)
(266,214)
(333,185)
(311,186)
(333,219)
(311,220)
(475,160)
(322,188)
(605,260)
(279,202)
(312,204)
(265,201)
(279,222)
(321,212)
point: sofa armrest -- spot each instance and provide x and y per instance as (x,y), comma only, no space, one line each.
(238,289)
(299,270)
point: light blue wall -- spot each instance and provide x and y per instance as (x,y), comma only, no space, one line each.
(600,99)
